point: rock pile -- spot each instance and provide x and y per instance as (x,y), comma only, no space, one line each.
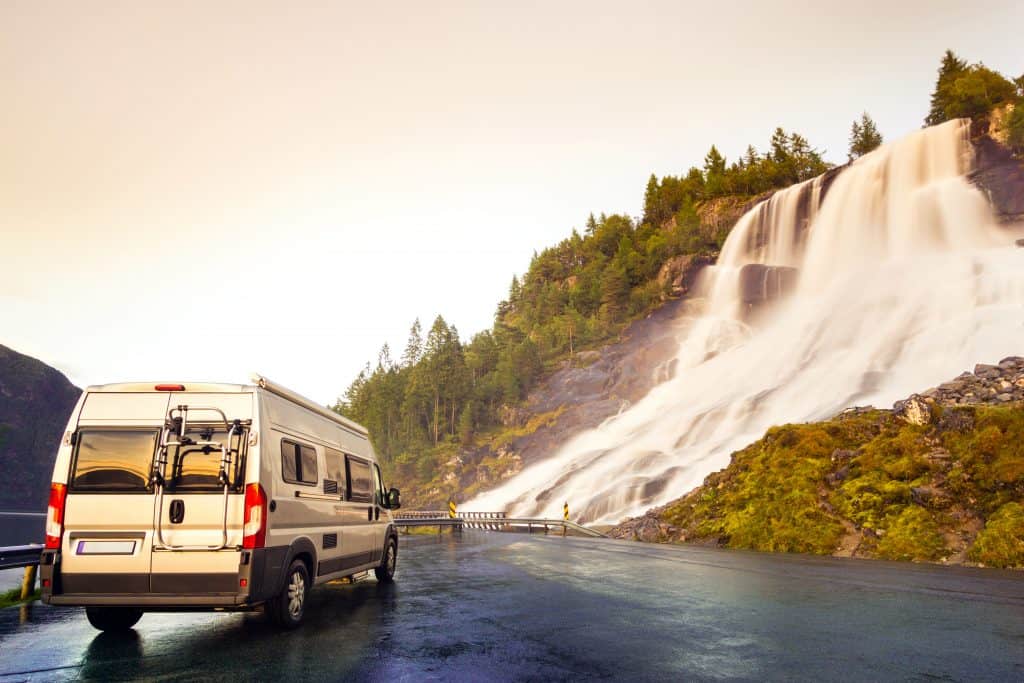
(1000,383)
(992,384)
(649,528)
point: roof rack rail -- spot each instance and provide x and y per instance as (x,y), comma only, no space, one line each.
(274,388)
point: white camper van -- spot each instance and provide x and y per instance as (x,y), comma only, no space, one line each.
(177,497)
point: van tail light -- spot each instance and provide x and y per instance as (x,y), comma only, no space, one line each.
(55,515)
(254,528)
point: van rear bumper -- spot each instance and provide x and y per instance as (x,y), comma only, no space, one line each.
(153,602)
(258,577)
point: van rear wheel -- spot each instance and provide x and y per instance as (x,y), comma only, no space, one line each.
(385,573)
(113,618)
(288,607)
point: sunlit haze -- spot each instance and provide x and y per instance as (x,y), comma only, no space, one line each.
(191,191)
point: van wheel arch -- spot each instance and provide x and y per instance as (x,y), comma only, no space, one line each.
(303,549)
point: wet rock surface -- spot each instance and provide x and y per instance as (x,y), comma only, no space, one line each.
(1001,177)
(591,387)
(761,284)
(680,274)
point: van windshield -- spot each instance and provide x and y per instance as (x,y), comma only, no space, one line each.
(113,461)
(196,467)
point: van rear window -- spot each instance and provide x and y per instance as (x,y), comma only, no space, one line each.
(196,467)
(112,461)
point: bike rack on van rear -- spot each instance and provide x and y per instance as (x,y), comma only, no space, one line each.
(180,425)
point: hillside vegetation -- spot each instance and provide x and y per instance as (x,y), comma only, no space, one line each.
(445,396)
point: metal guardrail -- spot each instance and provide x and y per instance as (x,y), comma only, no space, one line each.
(406,523)
(488,521)
(20,555)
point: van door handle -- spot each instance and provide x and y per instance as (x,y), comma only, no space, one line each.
(177,511)
(369,514)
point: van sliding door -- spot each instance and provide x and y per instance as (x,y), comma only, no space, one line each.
(360,535)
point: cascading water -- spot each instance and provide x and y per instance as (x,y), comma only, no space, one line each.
(902,281)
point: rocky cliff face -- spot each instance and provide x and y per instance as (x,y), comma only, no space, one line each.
(585,390)
(1000,176)
(35,402)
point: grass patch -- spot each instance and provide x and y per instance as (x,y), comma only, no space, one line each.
(13,597)
(1001,542)
(913,535)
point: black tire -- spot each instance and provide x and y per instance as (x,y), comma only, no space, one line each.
(113,619)
(385,573)
(287,608)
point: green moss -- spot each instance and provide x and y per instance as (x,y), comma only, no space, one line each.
(1001,542)
(500,438)
(912,535)
(794,489)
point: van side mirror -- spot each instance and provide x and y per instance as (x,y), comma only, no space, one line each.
(394,499)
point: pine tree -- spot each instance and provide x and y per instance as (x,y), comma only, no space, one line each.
(652,202)
(950,69)
(614,293)
(384,358)
(780,146)
(714,162)
(515,292)
(864,136)
(413,347)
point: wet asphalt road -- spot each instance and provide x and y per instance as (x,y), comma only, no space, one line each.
(495,607)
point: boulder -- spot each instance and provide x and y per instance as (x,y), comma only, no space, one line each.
(761,284)
(679,275)
(914,410)
(956,420)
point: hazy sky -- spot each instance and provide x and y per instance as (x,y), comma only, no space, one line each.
(199,190)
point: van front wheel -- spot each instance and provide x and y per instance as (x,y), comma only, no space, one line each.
(386,571)
(113,618)
(287,608)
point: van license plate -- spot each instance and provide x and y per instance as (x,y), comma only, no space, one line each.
(105,548)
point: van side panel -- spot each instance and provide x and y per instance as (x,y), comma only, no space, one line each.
(340,531)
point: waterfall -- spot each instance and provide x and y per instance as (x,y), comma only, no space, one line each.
(858,289)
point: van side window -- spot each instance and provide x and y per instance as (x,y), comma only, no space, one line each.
(298,463)
(358,480)
(335,462)
(378,485)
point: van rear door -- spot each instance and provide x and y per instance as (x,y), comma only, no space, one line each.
(192,512)
(108,517)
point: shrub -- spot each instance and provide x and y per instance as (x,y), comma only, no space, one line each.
(1001,542)
(913,535)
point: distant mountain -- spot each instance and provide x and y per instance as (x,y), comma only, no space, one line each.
(35,403)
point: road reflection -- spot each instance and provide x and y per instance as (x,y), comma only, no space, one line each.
(342,622)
